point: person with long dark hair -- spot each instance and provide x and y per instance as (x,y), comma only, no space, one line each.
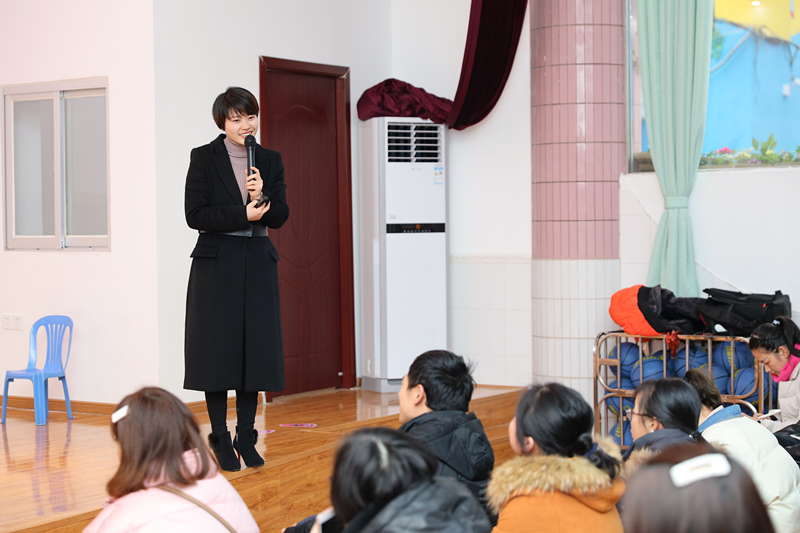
(665,413)
(693,488)
(167,479)
(562,480)
(777,345)
(772,468)
(233,335)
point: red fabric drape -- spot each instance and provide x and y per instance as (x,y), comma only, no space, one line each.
(395,98)
(492,39)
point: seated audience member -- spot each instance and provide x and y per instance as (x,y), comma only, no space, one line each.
(562,480)
(384,482)
(665,413)
(777,345)
(774,472)
(163,463)
(693,489)
(434,400)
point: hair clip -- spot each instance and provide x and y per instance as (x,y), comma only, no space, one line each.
(592,450)
(776,322)
(119,414)
(699,468)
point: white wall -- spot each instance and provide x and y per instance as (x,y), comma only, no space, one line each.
(490,192)
(202,47)
(743,222)
(111,296)
(170,60)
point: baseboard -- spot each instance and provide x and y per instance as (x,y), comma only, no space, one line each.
(99,408)
(382,385)
(86,408)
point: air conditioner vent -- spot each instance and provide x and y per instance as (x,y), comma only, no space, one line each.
(414,143)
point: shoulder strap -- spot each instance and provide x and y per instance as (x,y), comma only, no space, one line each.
(197,502)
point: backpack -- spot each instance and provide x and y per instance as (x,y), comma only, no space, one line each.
(652,311)
(739,314)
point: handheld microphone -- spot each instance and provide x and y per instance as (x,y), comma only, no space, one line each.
(250,145)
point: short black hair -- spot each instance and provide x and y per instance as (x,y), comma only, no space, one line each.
(671,401)
(446,378)
(780,332)
(234,101)
(560,422)
(374,466)
(705,387)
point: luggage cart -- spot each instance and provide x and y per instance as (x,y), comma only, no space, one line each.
(604,367)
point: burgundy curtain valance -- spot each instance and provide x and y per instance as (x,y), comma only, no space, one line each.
(395,98)
(492,38)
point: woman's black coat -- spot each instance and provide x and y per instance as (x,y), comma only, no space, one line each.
(233,324)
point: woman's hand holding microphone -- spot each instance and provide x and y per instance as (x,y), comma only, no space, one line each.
(254,186)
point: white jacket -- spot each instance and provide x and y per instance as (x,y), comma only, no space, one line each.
(774,472)
(788,402)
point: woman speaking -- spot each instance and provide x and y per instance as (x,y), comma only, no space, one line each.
(233,335)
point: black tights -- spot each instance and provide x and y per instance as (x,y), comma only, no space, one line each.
(217,404)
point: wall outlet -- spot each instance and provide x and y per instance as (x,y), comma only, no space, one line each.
(7,322)
(16,322)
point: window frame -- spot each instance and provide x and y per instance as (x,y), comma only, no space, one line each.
(640,162)
(57,91)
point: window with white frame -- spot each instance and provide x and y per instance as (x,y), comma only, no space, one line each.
(56,165)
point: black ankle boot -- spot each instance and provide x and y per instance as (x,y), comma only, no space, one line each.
(245,445)
(223,450)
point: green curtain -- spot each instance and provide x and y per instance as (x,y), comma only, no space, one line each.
(674,59)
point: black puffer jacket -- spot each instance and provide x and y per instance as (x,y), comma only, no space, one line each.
(648,446)
(460,444)
(442,505)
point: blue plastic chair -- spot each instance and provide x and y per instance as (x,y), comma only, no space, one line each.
(55,326)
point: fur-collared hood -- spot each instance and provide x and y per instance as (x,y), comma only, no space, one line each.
(576,476)
(635,461)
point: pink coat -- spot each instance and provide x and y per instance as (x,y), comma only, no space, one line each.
(154,509)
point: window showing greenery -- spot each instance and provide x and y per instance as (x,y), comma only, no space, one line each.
(754,88)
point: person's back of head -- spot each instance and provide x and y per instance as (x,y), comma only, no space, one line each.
(375,465)
(693,489)
(446,379)
(672,402)
(704,386)
(560,422)
(153,429)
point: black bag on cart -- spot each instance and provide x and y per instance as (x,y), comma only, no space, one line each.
(738,314)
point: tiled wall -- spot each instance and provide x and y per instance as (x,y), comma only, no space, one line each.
(578,154)
(490,316)
(578,137)
(570,307)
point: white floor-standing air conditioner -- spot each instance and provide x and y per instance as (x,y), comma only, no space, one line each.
(404,252)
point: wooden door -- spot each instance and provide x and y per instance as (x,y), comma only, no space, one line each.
(304,118)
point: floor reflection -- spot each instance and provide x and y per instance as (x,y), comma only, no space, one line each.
(49,475)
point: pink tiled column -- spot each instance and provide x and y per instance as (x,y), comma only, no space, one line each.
(578,153)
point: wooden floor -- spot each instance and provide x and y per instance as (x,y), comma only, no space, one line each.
(52,478)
